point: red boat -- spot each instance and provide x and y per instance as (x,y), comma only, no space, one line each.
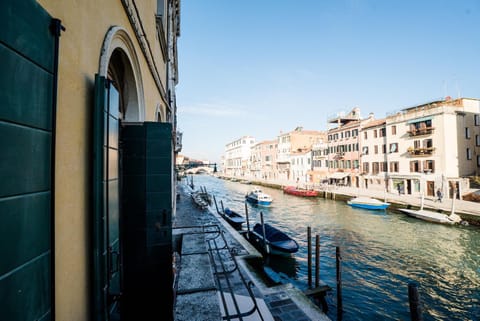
(299,191)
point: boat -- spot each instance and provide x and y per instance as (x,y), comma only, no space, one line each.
(233,218)
(199,200)
(434,217)
(292,190)
(275,241)
(368,203)
(257,196)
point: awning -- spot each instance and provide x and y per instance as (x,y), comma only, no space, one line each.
(417,120)
(339,175)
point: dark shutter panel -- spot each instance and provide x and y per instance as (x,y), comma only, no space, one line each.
(27,77)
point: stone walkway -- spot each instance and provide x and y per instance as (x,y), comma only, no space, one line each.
(198,281)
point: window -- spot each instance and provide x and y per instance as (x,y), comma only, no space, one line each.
(393,148)
(374,133)
(414,167)
(477,140)
(365,135)
(469,154)
(365,167)
(394,130)
(478,160)
(375,148)
(365,150)
(467,132)
(477,120)
(375,168)
(429,166)
(384,148)
(382,132)
(394,167)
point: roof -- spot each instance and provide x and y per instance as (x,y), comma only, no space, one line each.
(374,123)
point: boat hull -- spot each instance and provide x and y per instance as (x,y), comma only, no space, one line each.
(277,242)
(430,216)
(300,192)
(259,202)
(368,206)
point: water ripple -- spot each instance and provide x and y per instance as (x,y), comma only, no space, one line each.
(381,253)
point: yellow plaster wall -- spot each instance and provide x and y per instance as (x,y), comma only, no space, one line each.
(86,23)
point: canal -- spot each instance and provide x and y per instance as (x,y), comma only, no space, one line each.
(382,252)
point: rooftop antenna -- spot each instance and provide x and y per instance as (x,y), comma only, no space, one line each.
(457,87)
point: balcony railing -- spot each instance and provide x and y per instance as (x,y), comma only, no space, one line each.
(420,151)
(421,131)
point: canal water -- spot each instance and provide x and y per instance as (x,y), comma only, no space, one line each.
(382,252)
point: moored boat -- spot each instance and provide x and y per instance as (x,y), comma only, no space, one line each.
(274,242)
(368,203)
(292,190)
(435,217)
(257,196)
(233,218)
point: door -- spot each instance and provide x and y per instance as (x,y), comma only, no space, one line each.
(430,188)
(27,131)
(107,256)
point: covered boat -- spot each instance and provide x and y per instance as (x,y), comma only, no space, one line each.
(292,190)
(275,241)
(257,196)
(233,218)
(368,203)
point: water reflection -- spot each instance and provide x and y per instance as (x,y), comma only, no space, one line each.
(381,253)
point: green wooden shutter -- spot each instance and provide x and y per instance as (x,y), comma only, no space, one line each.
(106,210)
(27,80)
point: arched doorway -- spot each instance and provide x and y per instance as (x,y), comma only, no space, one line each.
(118,98)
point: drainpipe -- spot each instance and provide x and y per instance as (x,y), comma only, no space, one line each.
(56,29)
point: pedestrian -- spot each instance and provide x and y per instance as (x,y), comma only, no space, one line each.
(439,195)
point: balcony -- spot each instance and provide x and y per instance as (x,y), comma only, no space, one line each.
(421,131)
(420,151)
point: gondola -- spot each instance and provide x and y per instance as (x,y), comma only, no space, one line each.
(233,218)
(276,242)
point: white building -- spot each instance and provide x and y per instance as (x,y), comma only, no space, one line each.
(301,166)
(237,157)
(434,146)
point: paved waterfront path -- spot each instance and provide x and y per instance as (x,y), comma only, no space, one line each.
(198,296)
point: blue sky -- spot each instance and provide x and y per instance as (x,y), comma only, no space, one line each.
(258,67)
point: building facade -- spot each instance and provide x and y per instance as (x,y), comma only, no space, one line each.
(343,147)
(438,145)
(93,71)
(295,141)
(238,157)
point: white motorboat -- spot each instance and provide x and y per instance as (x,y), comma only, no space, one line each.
(434,217)
(257,196)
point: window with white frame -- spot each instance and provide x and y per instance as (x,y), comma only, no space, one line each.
(467,132)
(469,154)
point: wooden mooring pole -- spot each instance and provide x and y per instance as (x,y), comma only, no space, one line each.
(414,301)
(339,285)
(267,249)
(216,206)
(309,251)
(248,223)
(223,209)
(317,260)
